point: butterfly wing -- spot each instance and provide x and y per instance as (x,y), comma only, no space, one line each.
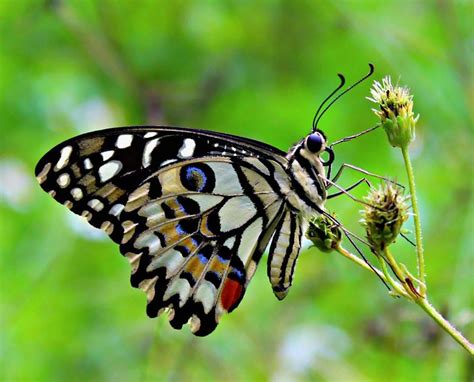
(192,211)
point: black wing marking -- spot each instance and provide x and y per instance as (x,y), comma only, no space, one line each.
(95,172)
(159,192)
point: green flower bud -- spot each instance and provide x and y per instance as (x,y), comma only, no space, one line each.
(324,233)
(395,111)
(384,215)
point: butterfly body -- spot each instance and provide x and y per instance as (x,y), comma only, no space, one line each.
(192,210)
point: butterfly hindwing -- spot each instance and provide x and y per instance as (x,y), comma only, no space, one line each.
(192,211)
(197,244)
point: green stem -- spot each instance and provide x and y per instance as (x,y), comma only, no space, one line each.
(344,252)
(395,285)
(418,235)
(428,308)
(383,275)
(408,293)
(445,324)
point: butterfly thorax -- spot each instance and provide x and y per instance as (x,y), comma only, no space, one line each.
(306,172)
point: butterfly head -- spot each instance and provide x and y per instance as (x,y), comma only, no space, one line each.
(315,142)
(314,147)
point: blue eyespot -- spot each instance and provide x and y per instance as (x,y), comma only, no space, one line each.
(197,177)
(314,142)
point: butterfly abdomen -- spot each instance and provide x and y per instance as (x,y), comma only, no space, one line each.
(284,251)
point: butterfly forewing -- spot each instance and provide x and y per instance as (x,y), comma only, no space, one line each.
(192,210)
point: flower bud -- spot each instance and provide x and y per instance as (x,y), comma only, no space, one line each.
(325,234)
(384,215)
(395,111)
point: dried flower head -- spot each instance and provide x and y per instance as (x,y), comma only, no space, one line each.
(384,215)
(395,111)
(325,234)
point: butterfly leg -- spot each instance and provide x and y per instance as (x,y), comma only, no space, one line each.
(351,236)
(360,181)
(346,192)
(331,183)
(355,168)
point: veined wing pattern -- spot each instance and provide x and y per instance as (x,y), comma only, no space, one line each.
(192,210)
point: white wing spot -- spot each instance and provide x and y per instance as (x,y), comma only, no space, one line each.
(63,180)
(107,154)
(124,141)
(249,240)
(216,144)
(229,243)
(171,259)
(77,193)
(96,204)
(109,170)
(168,161)
(87,215)
(206,294)
(180,287)
(258,164)
(194,323)
(64,159)
(151,134)
(108,227)
(149,147)
(148,239)
(236,212)
(134,260)
(116,209)
(44,172)
(87,164)
(187,150)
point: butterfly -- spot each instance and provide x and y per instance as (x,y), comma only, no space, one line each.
(193,210)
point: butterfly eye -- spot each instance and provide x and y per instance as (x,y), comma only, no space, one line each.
(314,142)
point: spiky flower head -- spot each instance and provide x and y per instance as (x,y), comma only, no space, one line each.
(325,234)
(384,215)
(395,111)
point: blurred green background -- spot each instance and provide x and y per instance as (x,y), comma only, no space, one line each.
(256,69)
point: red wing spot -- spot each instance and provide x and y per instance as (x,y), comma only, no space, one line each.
(231,294)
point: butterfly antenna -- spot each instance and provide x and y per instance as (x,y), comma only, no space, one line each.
(371,71)
(341,84)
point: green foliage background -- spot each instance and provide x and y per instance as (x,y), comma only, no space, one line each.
(256,69)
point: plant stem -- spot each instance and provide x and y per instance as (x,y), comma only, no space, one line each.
(445,324)
(405,291)
(418,235)
(363,264)
(401,276)
(344,252)
(423,302)
(395,285)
